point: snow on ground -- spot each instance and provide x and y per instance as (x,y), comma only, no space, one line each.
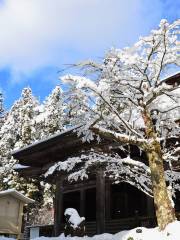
(172,232)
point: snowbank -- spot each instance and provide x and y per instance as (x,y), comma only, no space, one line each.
(172,232)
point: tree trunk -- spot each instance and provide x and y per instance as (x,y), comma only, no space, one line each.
(165,212)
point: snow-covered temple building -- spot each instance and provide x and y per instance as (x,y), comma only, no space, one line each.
(107,205)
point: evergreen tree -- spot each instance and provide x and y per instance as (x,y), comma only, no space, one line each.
(17,131)
(51,118)
(26,122)
(2,113)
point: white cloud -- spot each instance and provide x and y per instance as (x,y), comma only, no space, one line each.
(38,33)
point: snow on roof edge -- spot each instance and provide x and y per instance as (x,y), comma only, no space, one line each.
(17,194)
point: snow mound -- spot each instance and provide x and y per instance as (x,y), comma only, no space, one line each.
(74,218)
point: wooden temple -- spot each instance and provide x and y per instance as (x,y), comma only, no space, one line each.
(107,207)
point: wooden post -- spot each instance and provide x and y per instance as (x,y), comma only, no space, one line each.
(150,207)
(100,202)
(108,199)
(58,207)
(82,203)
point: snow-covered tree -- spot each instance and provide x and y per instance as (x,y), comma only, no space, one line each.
(17,131)
(2,111)
(27,112)
(51,118)
(28,121)
(130,103)
(76,108)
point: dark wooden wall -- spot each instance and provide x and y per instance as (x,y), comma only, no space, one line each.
(103,220)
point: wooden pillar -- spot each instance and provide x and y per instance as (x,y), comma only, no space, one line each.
(150,207)
(108,199)
(82,203)
(58,207)
(100,202)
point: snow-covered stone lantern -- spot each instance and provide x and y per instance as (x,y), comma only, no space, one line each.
(11,212)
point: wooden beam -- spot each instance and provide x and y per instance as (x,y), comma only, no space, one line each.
(32,172)
(68,187)
(100,201)
(58,208)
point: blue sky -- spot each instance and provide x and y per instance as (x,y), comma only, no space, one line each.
(39,37)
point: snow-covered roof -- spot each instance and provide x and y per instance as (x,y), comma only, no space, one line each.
(45,140)
(17,195)
(171,75)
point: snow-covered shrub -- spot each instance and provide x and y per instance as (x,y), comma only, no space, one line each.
(75,225)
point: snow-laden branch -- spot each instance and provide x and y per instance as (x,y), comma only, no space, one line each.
(163,89)
(121,138)
(98,91)
(116,168)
